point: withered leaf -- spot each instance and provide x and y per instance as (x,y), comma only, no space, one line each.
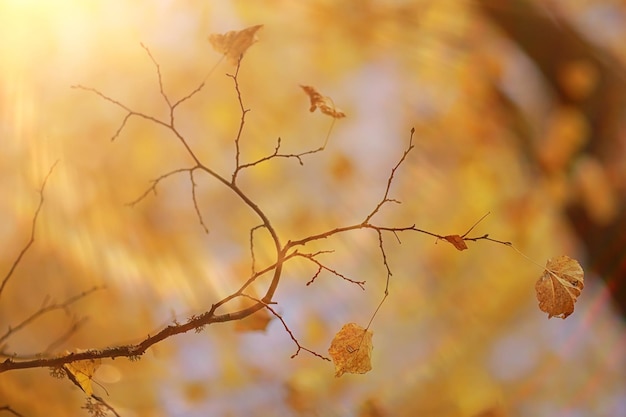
(351,350)
(559,286)
(325,104)
(81,372)
(457,241)
(235,43)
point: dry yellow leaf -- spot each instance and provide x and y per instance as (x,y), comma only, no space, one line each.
(235,43)
(559,286)
(351,350)
(324,103)
(81,372)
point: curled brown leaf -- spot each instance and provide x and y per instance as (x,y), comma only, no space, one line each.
(457,241)
(325,104)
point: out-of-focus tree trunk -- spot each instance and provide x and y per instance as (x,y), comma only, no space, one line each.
(554,45)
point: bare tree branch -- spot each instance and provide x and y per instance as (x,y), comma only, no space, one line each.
(284,253)
(321,266)
(195,202)
(386,198)
(276,154)
(155,182)
(252,256)
(31,240)
(242,122)
(45,308)
(288,330)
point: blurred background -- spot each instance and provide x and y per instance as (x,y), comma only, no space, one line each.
(518,108)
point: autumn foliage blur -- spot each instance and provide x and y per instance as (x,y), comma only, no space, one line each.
(503,124)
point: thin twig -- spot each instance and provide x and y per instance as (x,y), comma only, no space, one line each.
(475,224)
(239,166)
(288,330)
(327,138)
(33,226)
(195,202)
(158,70)
(321,266)
(155,182)
(252,255)
(389,274)
(193,92)
(46,309)
(170,125)
(213,68)
(386,198)
(242,121)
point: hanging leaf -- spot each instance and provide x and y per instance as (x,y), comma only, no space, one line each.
(457,241)
(559,286)
(325,104)
(81,372)
(351,350)
(235,43)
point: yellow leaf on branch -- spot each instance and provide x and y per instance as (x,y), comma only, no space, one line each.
(81,372)
(235,43)
(351,350)
(559,286)
(325,104)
